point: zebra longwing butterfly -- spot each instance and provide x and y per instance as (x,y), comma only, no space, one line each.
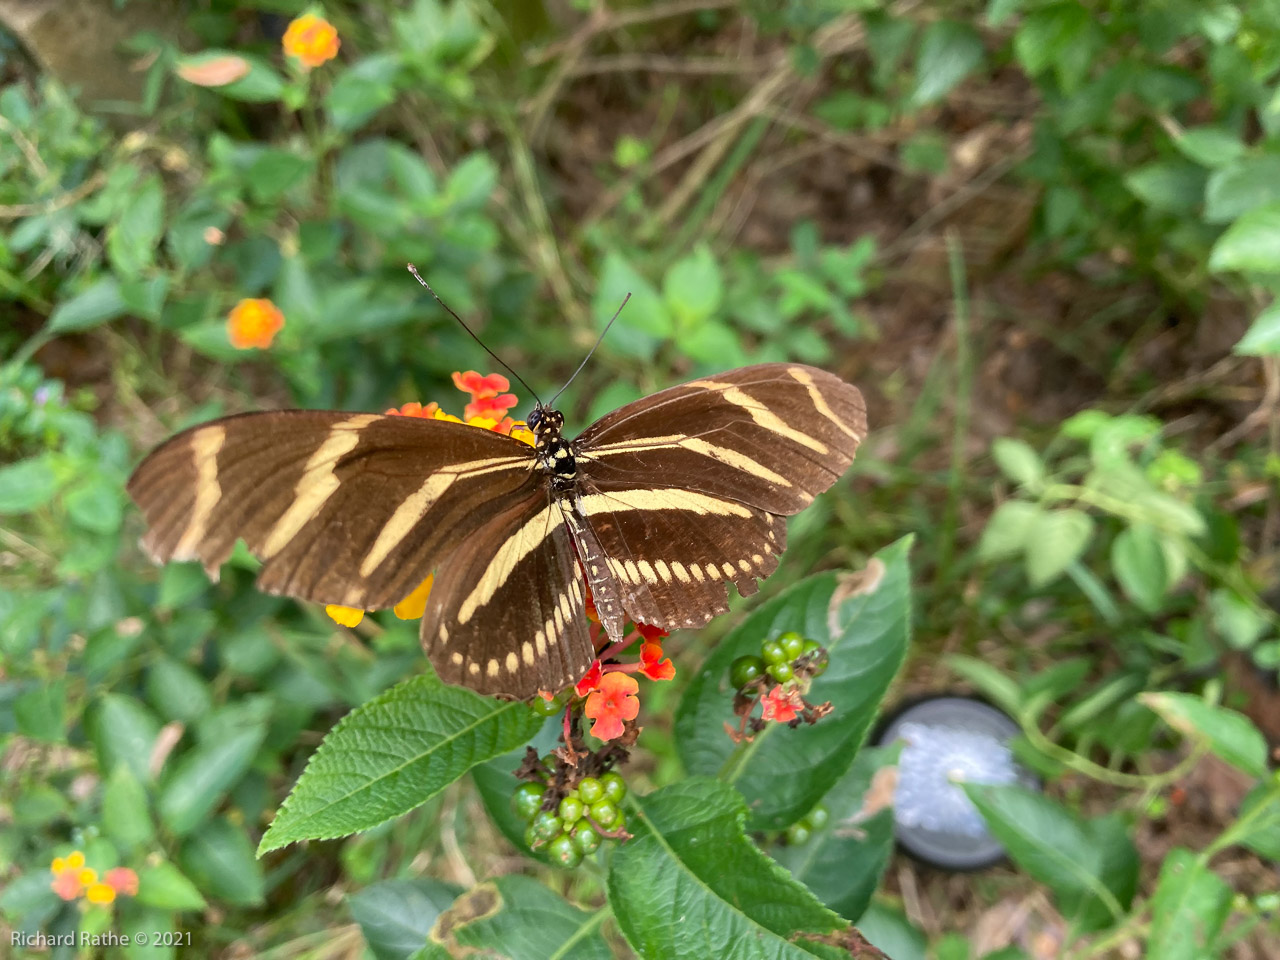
(655,508)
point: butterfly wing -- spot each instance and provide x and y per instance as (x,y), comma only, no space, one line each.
(352,509)
(683,491)
(506,614)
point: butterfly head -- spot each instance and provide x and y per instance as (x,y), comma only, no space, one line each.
(545,424)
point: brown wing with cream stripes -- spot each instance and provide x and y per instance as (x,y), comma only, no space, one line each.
(506,614)
(684,490)
(353,509)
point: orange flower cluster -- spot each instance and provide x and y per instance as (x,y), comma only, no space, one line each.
(485,399)
(611,691)
(72,880)
(254,323)
(311,39)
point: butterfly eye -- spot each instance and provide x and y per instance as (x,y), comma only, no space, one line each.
(535,418)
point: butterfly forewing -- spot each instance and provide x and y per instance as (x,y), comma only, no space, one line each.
(507,612)
(684,490)
(352,509)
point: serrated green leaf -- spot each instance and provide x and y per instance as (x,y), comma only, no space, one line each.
(1005,534)
(1251,244)
(949,52)
(1190,905)
(1230,735)
(842,863)
(784,772)
(1018,461)
(27,485)
(389,755)
(201,777)
(219,859)
(1055,540)
(1138,559)
(125,815)
(518,918)
(689,882)
(1262,339)
(396,916)
(165,886)
(91,307)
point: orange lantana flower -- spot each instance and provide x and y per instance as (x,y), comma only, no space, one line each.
(122,880)
(651,663)
(254,323)
(612,702)
(481,385)
(311,39)
(72,879)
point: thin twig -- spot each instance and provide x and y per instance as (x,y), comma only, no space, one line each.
(12,211)
(627,62)
(627,18)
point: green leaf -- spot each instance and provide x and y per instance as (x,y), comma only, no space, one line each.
(948,53)
(181,583)
(1236,189)
(693,287)
(1006,532)
(863,621)
(998,11)
(1235,619)
(1210,146)
(361,91)
(1018,461)
(202,777)
(1252,243)
(133,235)
(27,485)
(1230,735)
(689,881)
(187,240)
(1137,556)
(274,172)
(892,933)
(125,814)
(1049,843)
(989,680)
(1258,824)
(96,504)
(518,918)
(123,732)
(163,885)
(93,306)
(1190,905)
(471,182)
(177,691)
(644,320)
(389,755)
(1170,186)
(219,859)
(1262,339)
(1055,540)
(396,916)
(843,862)
(41,711)
(1061,37)
(260,85)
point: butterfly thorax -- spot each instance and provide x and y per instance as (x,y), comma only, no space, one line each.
(555,454)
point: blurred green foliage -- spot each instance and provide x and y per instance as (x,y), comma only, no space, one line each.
(157,719)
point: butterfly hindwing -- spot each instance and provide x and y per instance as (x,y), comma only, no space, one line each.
(352,509)
(506,614)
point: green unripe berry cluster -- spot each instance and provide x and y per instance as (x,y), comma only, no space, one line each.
(779,659)
(574,828)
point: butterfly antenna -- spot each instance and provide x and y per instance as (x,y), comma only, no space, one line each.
(448,309)
(599,340)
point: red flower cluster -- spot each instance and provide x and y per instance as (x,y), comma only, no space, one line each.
(72,880)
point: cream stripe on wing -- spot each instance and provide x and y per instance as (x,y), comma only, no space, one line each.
(514,549)
(726,455)
(206,443)
(318,481)
(761,414)
(415,506)
(820,402)
(662,498)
